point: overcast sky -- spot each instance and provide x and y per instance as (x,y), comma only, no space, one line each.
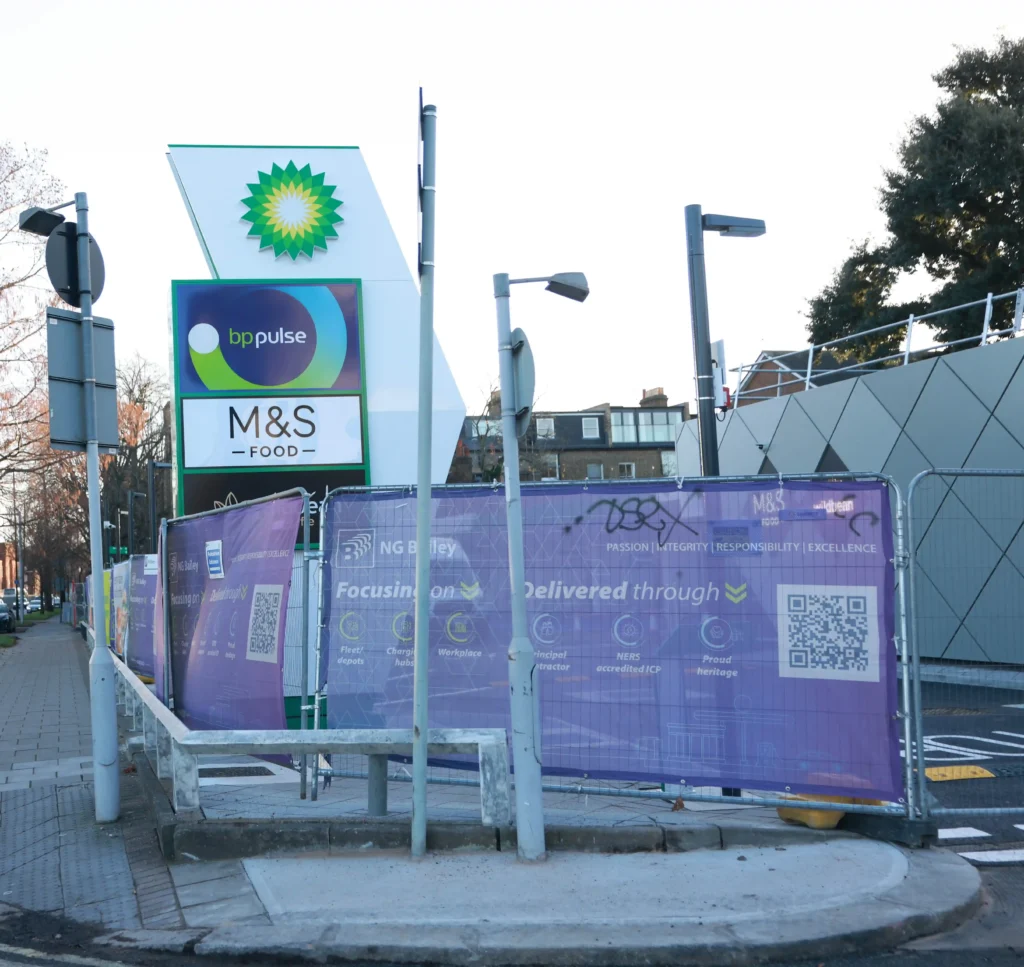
(570,136)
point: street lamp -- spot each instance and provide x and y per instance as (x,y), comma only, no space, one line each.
(696,225)
(102,691)
(132,494)
(522,670)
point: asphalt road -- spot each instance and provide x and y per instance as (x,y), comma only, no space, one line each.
(980,728)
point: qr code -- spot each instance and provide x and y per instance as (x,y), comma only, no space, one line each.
(264,620)
(828,632)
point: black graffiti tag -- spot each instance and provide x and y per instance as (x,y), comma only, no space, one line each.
(640,513)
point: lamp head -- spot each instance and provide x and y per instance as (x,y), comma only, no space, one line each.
(572,285)
(39,221)
(730,225)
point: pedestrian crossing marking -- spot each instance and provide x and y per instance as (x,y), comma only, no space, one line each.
(947,773)
(995,856)
(963,832)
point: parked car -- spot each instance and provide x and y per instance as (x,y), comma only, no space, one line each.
(7,622)
(33,604)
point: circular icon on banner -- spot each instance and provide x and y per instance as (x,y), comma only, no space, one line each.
(402,626)
(232,628)
(351,626)
(715,632)
(459,628)
(546,629)
(628,631)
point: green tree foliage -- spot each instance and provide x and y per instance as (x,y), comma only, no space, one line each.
(954,206)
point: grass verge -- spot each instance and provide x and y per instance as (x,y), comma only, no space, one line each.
(8,641)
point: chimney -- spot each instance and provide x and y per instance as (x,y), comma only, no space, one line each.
(655,398)
(494,405)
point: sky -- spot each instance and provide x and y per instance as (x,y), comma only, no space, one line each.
(570,138)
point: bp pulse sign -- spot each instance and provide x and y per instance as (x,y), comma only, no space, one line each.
(269,375)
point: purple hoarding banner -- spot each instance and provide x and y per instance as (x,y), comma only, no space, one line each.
(228,580)
(722,635)
(141,602)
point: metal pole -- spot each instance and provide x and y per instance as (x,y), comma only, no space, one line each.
(131,523)
(902,567)
(118,535)
(103,697)
(151,479)
(707,426)
(707,429)
(304,722)
(522,669)
(421,644)
(165,582)
(19,581)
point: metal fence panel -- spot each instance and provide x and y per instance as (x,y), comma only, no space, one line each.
(355,556)
(966,545)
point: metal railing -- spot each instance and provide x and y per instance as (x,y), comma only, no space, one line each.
(796,375)
(173,749)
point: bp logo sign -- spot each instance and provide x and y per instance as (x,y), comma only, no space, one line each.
(292,211)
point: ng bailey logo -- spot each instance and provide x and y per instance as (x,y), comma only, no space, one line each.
(292,211)
(355,549)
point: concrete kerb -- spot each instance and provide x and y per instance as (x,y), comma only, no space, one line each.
(939,892)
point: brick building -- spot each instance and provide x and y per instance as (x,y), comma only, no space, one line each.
(601,442)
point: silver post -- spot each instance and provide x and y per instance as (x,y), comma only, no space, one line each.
(707,429)
(304,723)
(902,567)
(316,653)
(165,582)
(910,333)
(103,700)
(421,644)
(522,670)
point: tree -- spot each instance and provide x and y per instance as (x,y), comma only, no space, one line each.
(954,207)
(24,181)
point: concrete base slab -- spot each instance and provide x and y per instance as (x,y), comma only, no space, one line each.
(163,941)
(702,907)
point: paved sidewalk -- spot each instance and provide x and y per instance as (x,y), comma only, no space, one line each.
(44,710)
(53,857)
(739,900)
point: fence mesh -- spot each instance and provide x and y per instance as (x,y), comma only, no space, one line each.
(594,539)
(967,578)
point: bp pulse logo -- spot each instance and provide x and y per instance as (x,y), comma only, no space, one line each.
(292,211)
(259,337)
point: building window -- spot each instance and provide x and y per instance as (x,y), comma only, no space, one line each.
(549,466)
(623,428)
(595,471)
(669,465)
(545,428)
(591,428)
(627,470)
(654,427)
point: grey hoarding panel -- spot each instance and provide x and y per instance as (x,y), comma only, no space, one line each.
(64,347)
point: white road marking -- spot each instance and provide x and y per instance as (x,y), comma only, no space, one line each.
(995,856)
(1018,826)
(1013,706)
(962,832)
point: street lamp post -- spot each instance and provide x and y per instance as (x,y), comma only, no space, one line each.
(132,494)
(522,669)
(697,224)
